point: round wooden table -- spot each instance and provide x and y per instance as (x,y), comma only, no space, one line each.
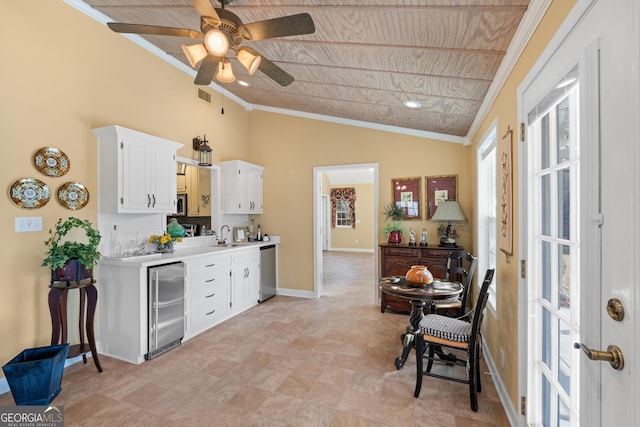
(418,296)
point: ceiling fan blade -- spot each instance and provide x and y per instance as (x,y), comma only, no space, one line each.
(207,70)
(291,25)
(154,30)
(206,10)
(276,73)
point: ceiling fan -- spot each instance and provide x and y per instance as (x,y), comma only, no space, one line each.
(223,31)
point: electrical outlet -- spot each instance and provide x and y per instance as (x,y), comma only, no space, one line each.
(25,224)
(502,358)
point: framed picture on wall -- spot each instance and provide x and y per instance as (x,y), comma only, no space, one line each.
(406,193)
(505,205)
(440,188)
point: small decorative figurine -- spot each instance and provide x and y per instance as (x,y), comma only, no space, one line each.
(412,237)
(423,239)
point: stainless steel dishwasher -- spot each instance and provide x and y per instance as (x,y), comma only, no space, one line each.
(166,307)
(268,277)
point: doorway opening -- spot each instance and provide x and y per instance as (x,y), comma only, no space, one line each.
(363,176)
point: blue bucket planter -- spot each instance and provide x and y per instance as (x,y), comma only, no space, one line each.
(34,376)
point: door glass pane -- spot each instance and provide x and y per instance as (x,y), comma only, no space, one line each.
(544,143)
(546,337)
(562,130)
(564,356)
(545,205)
(564,200)
(546,395)
(564,279)
(545,261)
(564,416)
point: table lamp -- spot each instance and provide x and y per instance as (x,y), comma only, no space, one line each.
(448,212)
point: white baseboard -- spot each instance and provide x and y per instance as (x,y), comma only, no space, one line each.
(351,250)
(295,293)
(512,415)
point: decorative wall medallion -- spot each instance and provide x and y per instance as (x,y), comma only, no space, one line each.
(29,193)
(51,161)
(72,195)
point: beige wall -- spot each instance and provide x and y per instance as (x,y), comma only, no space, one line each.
(79,75)
(502,330)
(290,148)
(362,236)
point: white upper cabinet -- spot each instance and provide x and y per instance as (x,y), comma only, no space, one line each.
(137,172)
(242,187)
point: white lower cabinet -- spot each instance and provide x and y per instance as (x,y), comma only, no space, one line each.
(220,286)
(245,279)
(207,301)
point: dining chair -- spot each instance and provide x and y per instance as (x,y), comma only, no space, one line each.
(437,332)
(456,271)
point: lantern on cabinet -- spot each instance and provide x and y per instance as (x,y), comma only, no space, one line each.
(203,149)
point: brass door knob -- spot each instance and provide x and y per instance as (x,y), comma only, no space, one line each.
(613,355)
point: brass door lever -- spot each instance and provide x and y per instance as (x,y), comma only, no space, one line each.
(613,355)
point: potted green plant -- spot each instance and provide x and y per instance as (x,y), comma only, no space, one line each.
(71,261)
(393,230)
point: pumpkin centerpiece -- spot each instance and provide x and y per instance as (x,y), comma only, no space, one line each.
(70,260)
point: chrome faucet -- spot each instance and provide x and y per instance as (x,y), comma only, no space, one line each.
(224,240)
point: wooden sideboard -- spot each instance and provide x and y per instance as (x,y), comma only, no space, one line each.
(396,260)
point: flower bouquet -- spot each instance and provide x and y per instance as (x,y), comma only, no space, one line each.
(164,243)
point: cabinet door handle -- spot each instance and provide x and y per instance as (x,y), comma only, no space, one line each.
(210,265)
(211,312)
(212,295)
(148,200)
(210,280)
(154,200)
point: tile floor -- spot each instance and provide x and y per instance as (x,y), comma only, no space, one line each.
(286,362)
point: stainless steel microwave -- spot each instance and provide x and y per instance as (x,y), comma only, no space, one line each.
(181,205)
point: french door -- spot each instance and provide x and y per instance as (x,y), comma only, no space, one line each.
(580,222)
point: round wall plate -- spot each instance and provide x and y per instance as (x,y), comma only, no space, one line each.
(29,193)
(51,161)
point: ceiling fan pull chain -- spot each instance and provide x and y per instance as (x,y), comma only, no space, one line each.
(222,102)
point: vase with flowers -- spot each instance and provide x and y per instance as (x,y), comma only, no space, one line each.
(164,243)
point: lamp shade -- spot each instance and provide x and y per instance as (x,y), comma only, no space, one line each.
(194,54)
(225,73)
(249,60)
(449,211)
(217,42)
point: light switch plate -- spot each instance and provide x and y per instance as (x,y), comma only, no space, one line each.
(25,224)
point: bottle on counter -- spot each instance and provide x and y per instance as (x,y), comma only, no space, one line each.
(259,235)
(115,248)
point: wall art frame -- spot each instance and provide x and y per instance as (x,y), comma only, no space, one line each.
(505,204)
(406,193)
(440,188)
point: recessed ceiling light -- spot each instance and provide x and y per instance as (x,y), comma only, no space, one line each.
(243,83)
(412,104)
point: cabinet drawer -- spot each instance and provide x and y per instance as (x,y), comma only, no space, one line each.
(207,264)
(247,256)
(436,253)
(208,295)
(215,277)
(401,251)
(207,316)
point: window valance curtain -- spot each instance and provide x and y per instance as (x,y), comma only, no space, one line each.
(343,193)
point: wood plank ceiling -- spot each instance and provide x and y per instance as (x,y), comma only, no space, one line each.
(365,58)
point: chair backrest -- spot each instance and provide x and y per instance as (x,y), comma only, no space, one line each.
(481,303)
(465,275)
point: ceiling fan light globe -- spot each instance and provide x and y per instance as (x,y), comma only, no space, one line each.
(225,73)
(250,61)
(217,42)
(194,54)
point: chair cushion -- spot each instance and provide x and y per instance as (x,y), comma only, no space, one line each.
(446,328)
